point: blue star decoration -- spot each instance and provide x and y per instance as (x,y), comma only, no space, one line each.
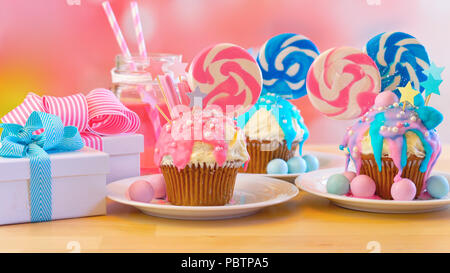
(431,85)
(196,98)
(434,71)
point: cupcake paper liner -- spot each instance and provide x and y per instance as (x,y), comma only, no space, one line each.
(200,185)
(262,152)
(385,179)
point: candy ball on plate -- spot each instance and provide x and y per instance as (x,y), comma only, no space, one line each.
(349,175)
(141,191)
(312,163)
(385,99)
(296,165)
(277,166)
(403,190)
(437,186)
(159,185)
(363,186)
(338,184)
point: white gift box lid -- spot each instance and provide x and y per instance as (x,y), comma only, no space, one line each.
(123,144)
(86,161)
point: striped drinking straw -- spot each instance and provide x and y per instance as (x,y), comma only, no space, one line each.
(126,53)
(138,29)
(119,37)
(170,95)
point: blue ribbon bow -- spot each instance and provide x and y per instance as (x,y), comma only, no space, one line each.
(19,141)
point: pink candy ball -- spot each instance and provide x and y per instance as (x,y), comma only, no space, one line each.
(350,175)
(385,98)
(403,190)
(159,185)
(362,186)
(141,191)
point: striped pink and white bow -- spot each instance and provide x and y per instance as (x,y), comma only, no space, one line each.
(97,114)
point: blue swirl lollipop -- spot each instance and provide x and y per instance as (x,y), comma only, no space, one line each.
(284,61)
(400,59)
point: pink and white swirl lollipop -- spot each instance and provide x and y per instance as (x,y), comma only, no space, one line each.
(228,76)
(343,82)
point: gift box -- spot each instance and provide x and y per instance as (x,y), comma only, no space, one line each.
(104,123)
(78,186)
(47,173)
(124,155)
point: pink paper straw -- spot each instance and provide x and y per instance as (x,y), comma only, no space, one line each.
(171,91)
(119,37)
(183,87)
(138,29)
(126,53)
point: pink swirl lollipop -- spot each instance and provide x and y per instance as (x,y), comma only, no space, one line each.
(228,76)
(343,82)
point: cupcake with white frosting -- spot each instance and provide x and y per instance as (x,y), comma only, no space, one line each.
(199,155)
(273,129)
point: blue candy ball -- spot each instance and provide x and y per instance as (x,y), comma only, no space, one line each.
(312,163)
(296,165)
(437,186)
(338,184)
(277,166)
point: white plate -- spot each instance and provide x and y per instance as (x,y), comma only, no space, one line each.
(315,183)
(326,161)
(251,194)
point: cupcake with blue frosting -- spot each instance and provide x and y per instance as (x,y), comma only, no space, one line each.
(274,129)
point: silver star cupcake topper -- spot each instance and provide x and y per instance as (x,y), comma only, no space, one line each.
(196,98)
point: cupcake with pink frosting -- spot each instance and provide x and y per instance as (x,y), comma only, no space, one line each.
(395,146)
(199,155)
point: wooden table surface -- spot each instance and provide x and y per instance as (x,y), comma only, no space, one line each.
(305,224)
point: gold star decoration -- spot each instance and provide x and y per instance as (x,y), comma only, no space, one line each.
(407,94)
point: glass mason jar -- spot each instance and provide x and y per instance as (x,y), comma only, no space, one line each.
(133,86)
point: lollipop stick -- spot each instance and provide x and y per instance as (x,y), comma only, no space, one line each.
(164,95)
(147,98)
(162,114)
(427,100)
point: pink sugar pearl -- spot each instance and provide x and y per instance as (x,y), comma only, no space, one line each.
(141,191)
(349,175)
(403,190)
(385,98)
(159,185)
(362,186)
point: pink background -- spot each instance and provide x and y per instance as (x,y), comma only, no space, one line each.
(53,47)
